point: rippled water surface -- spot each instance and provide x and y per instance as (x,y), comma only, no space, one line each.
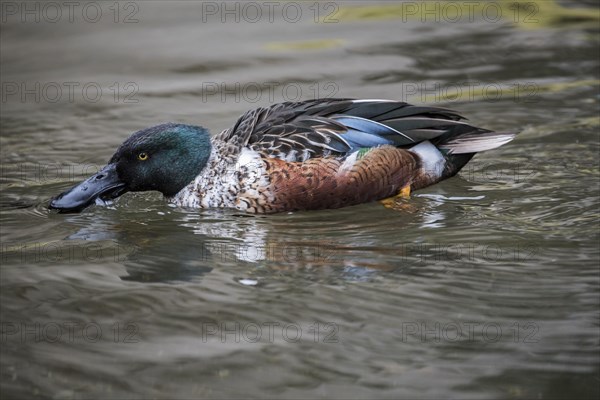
(483,286)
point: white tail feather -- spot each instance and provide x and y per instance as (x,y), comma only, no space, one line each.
(476,143)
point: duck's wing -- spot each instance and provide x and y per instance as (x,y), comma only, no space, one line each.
(298,131)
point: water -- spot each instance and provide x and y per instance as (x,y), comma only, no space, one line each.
(483,286)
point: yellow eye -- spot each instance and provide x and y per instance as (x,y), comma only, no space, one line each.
(142,156)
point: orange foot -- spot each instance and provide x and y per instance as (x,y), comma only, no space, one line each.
(396,203)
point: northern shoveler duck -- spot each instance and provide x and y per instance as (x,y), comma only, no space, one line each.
(307,155)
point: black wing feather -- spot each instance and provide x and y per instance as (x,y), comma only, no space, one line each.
(296,130)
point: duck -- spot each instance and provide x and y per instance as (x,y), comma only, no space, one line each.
(291,156)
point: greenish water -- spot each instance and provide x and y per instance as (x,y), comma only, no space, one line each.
(483,286)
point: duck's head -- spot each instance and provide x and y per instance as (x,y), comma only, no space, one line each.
(164,158)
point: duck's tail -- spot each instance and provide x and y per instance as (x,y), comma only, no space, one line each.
(444,158)
(475,142)
(460,149)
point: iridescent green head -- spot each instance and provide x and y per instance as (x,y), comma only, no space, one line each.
(164,158)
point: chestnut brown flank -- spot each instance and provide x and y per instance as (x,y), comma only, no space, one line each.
(322,183)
